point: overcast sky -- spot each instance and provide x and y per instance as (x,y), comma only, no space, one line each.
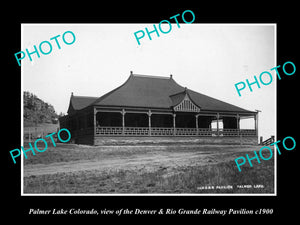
(207,58)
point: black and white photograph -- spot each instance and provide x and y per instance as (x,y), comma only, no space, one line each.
(130,109)
(143,111)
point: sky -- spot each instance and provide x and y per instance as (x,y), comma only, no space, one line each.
(207,58)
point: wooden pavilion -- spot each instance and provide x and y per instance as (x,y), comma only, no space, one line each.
(153,108)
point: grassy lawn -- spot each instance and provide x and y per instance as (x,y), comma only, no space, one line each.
(74,152)
(180,179)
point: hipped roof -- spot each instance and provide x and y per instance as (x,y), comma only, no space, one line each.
(79,102)
(141,91)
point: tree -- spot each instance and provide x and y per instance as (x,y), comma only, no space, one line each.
(36,110)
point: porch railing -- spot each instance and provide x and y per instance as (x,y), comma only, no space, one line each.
(170,131)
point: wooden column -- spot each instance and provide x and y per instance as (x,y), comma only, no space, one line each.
(95,121)
(218,117)
(149,121)
(123,121)
(197,130)
(256,123)
(174,124)
(238,124)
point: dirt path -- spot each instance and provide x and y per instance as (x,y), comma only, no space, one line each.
(149,162)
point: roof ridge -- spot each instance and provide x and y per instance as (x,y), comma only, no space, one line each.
(150,76)
(81,96)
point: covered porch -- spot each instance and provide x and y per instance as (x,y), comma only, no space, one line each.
(126,122)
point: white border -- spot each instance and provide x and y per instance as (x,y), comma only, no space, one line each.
(275,157)
(153,194)
(22,117)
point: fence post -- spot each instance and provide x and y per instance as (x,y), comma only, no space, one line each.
(261,140)
(273,138)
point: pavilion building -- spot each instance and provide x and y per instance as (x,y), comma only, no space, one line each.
(153,108)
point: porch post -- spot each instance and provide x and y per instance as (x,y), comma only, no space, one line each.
(256,124)
(149,121)
(238,123)
(218,117)
(174,124)
(95,123)
(123,121)
(197,130)
(256,121)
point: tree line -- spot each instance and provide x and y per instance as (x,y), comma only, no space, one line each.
(37,111)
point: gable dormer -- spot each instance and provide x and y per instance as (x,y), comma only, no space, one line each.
(182,102)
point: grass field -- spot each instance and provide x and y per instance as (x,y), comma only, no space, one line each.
(70,168)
